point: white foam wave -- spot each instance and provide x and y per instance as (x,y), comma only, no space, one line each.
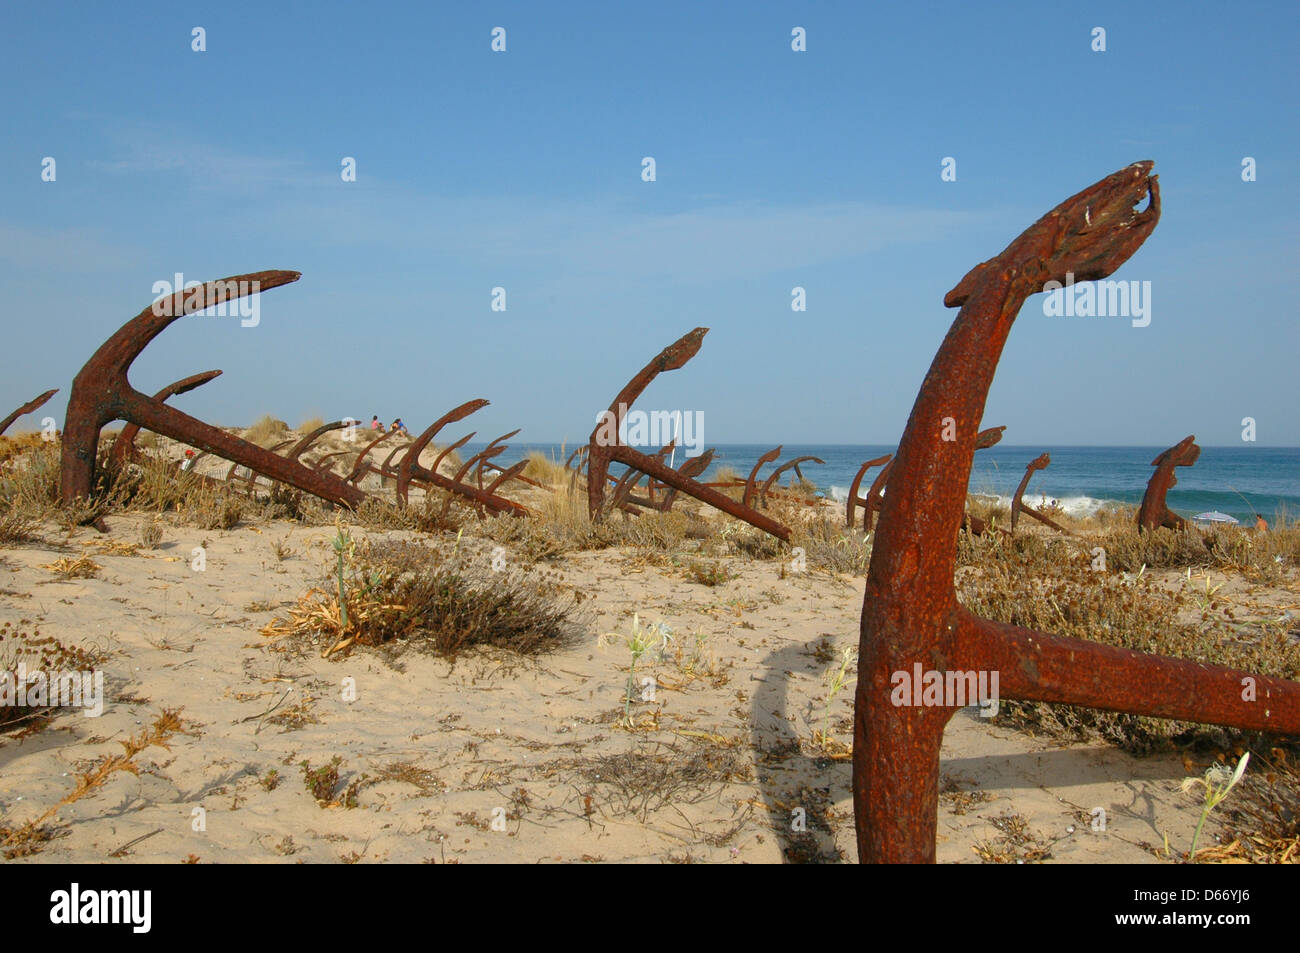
(1078,507)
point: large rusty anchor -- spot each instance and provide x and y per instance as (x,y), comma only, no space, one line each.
(606,446)
(911,615)
(102,393)
(1154,513)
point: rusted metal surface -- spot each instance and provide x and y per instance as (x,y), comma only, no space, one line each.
(483,458)
(875,499)
(988,438)
(101,393)
(872,501)
(1039,462)
(409,468)
(624,485)
(751,481)
(326,460)
(775,475)
(249,477)
(1154,513)
(691,468)
(359,466)
(651,485)
(388,469)
(124,446)
(602,451)
(27,408)
(911,615)
(304,444)
(489,467)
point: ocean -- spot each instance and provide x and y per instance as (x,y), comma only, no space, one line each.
(1238,481)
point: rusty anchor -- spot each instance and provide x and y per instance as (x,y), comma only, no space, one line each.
(754,494)
(359,466)
(409,468)
(605,446)
(1154,513)
(102,393)
(874,499)
(1017,506)
(305,442)
(27,408)
(776,474)
(911,615)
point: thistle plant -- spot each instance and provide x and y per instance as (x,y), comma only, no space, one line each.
(1218,782)
(1204,599)
(344,549)
(838,680)
(655,637)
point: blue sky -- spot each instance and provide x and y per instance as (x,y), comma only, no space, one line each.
(775,169)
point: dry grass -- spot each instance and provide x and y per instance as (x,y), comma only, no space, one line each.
(546,470)
(652,775)
(988,509)
(310,424)
(1260,557)
(1048,584)
(1261,820)
(29,837)
(37,653)
(831,545)
(83,567)
(412,594)
(29,478)
(267,430)
(18,527)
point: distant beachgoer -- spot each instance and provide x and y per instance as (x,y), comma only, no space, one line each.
(400,427)
(375,424)
(1260,523)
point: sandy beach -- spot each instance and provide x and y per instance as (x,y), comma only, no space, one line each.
(499,757)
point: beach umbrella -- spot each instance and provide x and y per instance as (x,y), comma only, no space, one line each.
(1214,516)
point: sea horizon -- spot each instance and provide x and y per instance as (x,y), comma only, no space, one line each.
(1082,479)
